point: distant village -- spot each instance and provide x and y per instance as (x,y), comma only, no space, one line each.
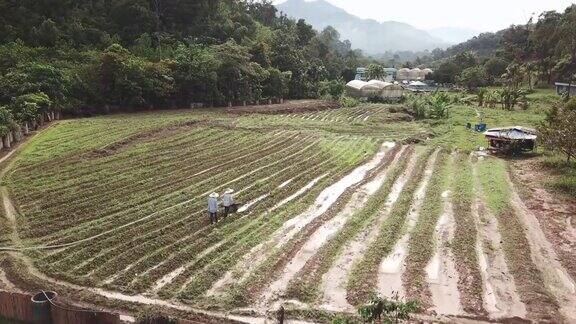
(392,85)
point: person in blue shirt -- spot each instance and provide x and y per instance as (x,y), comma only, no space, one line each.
(213,207)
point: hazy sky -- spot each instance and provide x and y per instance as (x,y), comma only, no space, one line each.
(481,15)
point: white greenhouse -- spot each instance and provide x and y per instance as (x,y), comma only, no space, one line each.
(373,88)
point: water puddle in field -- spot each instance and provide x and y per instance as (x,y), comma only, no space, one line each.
(321,236)
(331,194)
(335,280)
(285,183)
(289,229)
(392,267)
(441,271)
(252,203)
(229,277)
(169,277)
(116,275)
(298,193)
(500,296)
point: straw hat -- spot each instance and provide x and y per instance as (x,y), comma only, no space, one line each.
(214,195)
(229,191)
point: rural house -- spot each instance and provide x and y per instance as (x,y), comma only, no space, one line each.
(563,88)
(514,139)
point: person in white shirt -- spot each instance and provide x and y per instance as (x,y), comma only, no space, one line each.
(213,207)
(228,201)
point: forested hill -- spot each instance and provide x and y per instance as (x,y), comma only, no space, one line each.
(541,51)
(99,55)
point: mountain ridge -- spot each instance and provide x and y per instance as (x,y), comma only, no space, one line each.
(369,35)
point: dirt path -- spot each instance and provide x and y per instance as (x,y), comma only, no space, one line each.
(555,276)
(282,236)
(6,284)
(392,267)
(555,211)
(441,273)
(334,282)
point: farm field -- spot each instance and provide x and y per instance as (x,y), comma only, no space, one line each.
(338,204)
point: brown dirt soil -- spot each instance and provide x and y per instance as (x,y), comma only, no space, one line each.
(558,282)
(555,212)
(501,298)
(293,106)
(255,290)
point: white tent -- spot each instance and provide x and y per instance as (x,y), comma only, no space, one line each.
(373,88)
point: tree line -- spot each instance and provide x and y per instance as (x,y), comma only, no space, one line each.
(101,56)
(537,53)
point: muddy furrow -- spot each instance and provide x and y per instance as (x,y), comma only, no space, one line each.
(333,286)
(392,267)
(323,202)
(555,276)
(500,295)
(323,234)
(441,273)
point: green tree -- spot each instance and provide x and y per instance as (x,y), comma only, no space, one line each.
(558,132)
(33,78)
(26,108)
(495,67)
(375,71)
(47,34)
(473,77)
(195,74)
(6,121)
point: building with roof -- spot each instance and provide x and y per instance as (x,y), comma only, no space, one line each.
(562,88)
(514,139)
(360,74)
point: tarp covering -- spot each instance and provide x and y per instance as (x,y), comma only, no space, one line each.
(417,84)
(512,133)
(379,84)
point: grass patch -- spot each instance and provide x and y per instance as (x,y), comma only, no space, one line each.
(563,174)
(465,235)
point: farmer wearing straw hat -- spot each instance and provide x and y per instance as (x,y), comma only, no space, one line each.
(228,201)
(213,207)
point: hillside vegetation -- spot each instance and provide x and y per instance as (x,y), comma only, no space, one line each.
(93,57)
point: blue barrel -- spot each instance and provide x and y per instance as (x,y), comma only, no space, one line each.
(41,304)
